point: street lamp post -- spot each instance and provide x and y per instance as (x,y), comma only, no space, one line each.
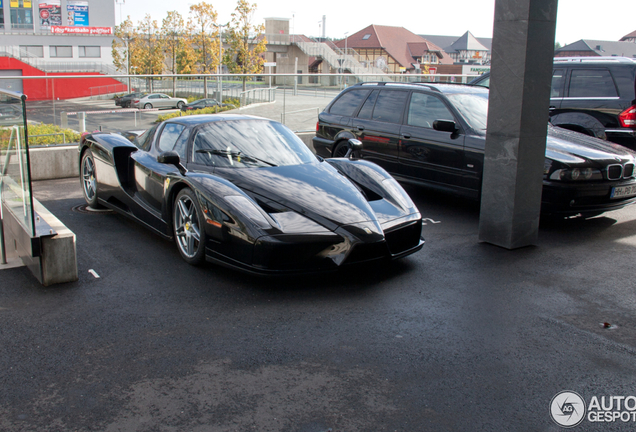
(219,82)
(345,57)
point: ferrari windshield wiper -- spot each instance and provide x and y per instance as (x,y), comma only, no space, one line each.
(238,154)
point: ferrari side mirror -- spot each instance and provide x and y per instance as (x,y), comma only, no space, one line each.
(172,158)
(354,146)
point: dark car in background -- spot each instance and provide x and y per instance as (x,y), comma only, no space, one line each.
(435,134)
(592,95)
(204,103)
(126,100)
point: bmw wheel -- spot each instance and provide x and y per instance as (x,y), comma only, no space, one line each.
(148,106)
(341,149)
(189,232)
(89,179)
(180,104)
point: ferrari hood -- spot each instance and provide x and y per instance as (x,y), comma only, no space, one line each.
(574,148)
(317,191)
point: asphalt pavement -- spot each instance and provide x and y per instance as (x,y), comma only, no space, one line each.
(461,336)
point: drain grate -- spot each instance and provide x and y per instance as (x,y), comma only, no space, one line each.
(85,209)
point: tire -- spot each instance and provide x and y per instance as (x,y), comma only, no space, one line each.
(88,179)
(180,104)
(148,106)
(189,233)
(341,149)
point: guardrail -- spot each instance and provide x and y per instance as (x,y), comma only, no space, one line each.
(283,116)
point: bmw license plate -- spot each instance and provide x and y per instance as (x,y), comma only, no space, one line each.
(623,191)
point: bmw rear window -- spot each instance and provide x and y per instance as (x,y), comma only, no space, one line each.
(348,103)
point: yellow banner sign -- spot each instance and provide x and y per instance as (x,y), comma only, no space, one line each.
(20,3)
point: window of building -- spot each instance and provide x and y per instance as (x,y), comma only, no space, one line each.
(21,18)
(1,18)
(90,51)
(366,36)
(28,51)
(61,51)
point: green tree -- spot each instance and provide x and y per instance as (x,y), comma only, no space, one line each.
(246,42)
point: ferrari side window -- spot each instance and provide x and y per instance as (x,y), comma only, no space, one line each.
(181,146)
(143,141)
(169,136)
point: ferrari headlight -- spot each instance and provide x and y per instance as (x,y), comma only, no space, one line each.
(249,209)
(576,174)
(396,191)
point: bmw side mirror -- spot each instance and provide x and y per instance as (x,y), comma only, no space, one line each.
(172,158)
(446,126)
(354,146)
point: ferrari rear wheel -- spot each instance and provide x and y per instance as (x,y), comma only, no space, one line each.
(89,179)
(189,232)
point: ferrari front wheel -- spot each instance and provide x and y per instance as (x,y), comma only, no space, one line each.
(89,179)
(189,233)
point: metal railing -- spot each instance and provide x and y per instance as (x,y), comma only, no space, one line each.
(51,134)
(257,95)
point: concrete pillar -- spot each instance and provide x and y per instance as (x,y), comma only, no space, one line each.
(81,116)
(521,72)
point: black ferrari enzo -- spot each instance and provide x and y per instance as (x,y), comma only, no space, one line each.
(247,193)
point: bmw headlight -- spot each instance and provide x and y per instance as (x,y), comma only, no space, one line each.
(576,174)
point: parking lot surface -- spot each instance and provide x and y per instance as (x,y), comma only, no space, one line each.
(461,336)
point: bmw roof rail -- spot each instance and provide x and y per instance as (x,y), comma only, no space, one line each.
(603,59)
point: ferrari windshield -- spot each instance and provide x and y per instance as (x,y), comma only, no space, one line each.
(248,143)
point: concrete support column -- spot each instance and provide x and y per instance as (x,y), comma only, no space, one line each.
(521,73)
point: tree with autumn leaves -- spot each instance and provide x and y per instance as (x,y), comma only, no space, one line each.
(246,42)
(191,47)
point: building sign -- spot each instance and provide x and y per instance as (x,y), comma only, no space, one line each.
(77,13)
(50,13)
(20,3)
(82,30)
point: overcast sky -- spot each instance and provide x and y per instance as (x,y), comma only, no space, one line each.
(577,19)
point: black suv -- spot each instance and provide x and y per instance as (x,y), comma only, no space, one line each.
(435,134)
(592,95)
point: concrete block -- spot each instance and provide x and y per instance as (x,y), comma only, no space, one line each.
(54,162)
(58,257)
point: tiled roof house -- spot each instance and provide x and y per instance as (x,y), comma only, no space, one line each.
(629,38)
(591,48)
(394,49)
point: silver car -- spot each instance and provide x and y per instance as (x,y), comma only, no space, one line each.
(158,100)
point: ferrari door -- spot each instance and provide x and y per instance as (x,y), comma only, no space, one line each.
(150,175)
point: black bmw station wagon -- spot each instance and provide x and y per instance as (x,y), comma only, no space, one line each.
(435,134)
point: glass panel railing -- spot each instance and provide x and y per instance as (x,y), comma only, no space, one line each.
(15,184)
